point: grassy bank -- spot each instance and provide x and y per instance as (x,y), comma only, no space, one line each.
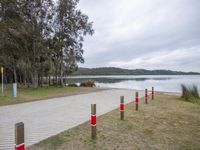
(166,123)
(30,94)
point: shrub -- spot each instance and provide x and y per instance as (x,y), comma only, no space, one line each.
(72,85)
(190,93)
(194,91)
(87,84)
(185,92)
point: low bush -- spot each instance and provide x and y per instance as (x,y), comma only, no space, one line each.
(72,85)
(87,84)
(190,93)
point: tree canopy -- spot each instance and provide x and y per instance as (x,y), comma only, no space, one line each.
(41,40)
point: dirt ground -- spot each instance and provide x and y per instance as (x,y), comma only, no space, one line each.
(166,123)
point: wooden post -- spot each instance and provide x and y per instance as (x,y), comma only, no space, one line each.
(153,93)
(93,121)
(19,136)
(136,101)
(146,96)
(122,107)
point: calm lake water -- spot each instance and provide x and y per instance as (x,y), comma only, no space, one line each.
(168,83)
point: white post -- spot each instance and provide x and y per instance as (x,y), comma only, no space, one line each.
(14,91)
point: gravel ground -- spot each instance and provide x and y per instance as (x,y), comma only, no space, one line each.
(43,119)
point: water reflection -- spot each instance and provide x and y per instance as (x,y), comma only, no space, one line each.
(170,83)
(109,79)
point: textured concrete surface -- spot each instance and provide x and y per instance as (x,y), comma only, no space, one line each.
(43,119)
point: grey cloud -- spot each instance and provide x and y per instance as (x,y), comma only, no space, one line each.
(135,30)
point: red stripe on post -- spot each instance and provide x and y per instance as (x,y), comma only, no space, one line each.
(146,96)
(136,100)
(20,147)
(93,120)
(122,106)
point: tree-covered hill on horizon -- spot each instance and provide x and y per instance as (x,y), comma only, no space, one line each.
(120,71)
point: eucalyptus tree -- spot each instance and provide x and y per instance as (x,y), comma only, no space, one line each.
(42,38)
(71,25)
(25,25)
(12,31)
(38,15)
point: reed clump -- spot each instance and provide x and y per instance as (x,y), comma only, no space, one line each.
(190,93)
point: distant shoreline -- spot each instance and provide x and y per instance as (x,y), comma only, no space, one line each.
(72,75)
(120,71)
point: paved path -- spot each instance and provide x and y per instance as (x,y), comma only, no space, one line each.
(49,117)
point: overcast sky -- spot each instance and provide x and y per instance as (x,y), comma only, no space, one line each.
(149,34)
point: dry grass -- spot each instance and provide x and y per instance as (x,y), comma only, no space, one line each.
(165,123)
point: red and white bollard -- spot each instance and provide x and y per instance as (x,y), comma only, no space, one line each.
(146,96)
(93,121)
(19,136)
(122,107)
(136,100)
(153,93)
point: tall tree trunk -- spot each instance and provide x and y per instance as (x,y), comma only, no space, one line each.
(41,80)
(35,73)
(20,79)
(56,75)
(25,83)
(53,79)
(61,72)
(15,75)
(46,79)
(41,76)
(35,79)
(6,78)
(38,79)
(49,80)
(56,80)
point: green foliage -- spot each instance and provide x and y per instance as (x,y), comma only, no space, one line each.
(190,93)
(41,38)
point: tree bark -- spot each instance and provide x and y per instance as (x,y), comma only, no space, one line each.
(25,83)
(53,79)
(61,72)
(35,74)
(15,75)
(49,80)
(42,82)
(56,76)
(35,79)
(20,79)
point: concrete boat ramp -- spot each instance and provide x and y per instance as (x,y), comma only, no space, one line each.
(46,118)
